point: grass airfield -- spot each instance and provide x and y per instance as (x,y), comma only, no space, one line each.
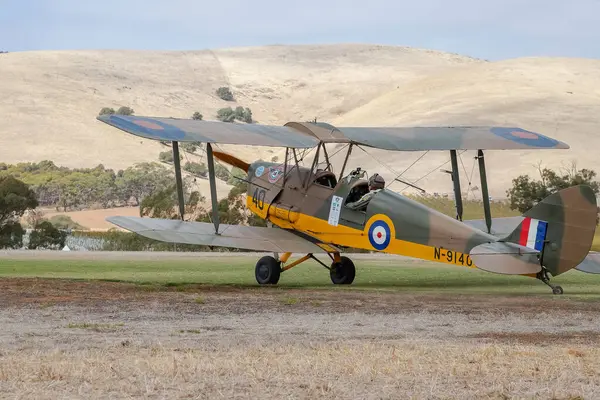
(183,325)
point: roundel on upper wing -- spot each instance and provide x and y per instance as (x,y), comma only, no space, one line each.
(524,137)
(379,235)
(148,127)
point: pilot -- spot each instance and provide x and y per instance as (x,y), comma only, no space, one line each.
(376,183)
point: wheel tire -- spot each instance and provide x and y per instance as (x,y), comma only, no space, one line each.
(267,271)
(557,290)
(342,273)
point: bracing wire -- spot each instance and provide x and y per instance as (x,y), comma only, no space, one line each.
(429,173)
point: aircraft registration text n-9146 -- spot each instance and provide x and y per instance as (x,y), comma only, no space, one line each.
(452,257)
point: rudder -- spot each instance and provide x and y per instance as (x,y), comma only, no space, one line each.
(561,227)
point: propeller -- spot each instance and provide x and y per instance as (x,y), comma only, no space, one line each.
(231,160)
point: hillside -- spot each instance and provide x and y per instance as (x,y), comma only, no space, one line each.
(50,100)
(556,97)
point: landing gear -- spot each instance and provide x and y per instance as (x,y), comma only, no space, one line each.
(267,271)
(342,272)
(557,290)
(543,276)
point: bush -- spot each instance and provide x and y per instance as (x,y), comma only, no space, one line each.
(243,114)
(197,116)
(221,172)
(226,114)
(66,222)
(190,147)
(240,113)
(167,156)
(225,93)
(195,168)
(106,111)
(125,111)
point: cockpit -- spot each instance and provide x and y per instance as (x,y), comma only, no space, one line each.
(362,191)
(325,178)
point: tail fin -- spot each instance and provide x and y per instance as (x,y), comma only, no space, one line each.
(561,227)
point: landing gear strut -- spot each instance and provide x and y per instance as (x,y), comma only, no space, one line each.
(543,276)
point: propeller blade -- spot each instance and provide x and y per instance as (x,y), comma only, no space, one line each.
(231,160)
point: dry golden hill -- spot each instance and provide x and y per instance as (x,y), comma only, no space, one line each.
(558,97)
(50,100)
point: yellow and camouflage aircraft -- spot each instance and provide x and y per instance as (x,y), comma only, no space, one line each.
(314,211)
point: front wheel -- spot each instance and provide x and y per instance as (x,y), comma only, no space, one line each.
(343,272)
(267,271)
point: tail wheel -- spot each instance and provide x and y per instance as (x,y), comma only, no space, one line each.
(267,271)
(343,272)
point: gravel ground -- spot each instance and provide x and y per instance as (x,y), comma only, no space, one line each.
(73,339)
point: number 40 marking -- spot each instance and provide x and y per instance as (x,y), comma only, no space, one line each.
(258,198)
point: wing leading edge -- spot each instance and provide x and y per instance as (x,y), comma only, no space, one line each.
(237,236)
(308,135)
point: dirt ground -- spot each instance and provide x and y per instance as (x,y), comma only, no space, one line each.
(72,339)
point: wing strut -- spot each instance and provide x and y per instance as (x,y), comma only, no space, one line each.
(178,180)
(484,191)
(213,186)
(456,181)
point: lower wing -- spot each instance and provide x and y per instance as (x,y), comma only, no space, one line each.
(237,236)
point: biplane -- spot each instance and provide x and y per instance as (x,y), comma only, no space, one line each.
(312,210)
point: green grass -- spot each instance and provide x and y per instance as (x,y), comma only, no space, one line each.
(375,275)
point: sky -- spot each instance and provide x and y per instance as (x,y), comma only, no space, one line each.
(488,29)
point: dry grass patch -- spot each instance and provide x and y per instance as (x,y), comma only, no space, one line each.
(320,370)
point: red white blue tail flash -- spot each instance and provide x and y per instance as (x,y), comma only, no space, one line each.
(533,233)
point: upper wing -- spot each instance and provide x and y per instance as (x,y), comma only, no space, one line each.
(188,130)
(306,134)
(238,236)
(451,138)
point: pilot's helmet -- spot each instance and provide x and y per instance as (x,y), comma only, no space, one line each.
(376,182)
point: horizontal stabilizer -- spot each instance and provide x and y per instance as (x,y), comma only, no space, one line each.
(505,258)
(202,233)
(591,264)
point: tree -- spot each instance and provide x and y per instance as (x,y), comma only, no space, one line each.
(47,236)
(197,116)
(106,111)
(125,110)
(225,93)
(143,179)
(161,204)
(15,198)
(525,192)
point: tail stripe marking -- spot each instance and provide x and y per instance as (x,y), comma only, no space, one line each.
(533,233)
(524,231)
